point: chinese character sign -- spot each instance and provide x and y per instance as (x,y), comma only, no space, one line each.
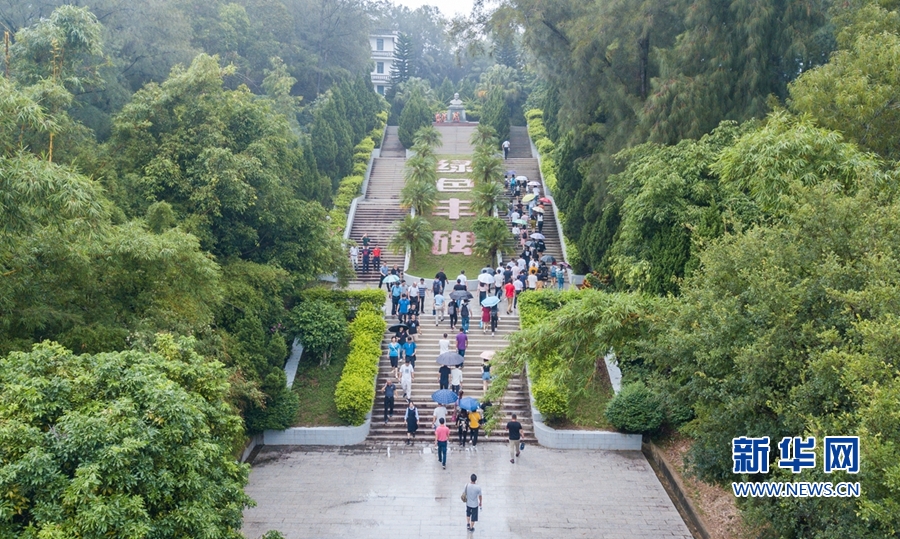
(455,185)
(452,242)
(751,455)
(457,166)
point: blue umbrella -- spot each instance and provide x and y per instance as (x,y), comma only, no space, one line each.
(468,403)
(392,279)
(510,172)
(490,301)
(444,396)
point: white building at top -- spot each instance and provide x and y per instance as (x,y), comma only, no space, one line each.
(382,45)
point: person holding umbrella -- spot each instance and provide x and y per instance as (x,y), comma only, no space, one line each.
(485,318)
(412,422)
(485,374)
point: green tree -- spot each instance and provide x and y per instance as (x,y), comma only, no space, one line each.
(428,136)
(486,196)
(413,233)
(145,438)
(403,66)
(856,93)
(416,114)
(320,326)
(491,235)
(487,166)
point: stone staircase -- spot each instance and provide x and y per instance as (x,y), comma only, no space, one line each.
(391,147)
(528,167)
(378,219)
(378,213)
(515,400)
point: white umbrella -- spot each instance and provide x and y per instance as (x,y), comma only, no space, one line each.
(488,354)
(538,209)
(538,236)
(485,278)
(534,184)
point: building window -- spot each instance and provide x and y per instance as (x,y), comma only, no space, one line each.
(380,89)
(379,67)
(379,44)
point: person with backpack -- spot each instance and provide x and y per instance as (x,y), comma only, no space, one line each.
(464,316)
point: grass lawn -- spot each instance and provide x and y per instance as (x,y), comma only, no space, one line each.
(315,385)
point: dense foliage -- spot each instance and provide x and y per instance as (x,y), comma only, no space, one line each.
(123,444)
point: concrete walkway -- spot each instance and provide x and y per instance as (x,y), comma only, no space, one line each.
(368,493)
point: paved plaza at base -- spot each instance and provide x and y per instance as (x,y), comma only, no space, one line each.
(364,493)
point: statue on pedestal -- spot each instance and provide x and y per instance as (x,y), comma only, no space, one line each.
(456,110)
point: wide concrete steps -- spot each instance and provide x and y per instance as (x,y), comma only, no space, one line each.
(391,146)
(386,179)
(519,143)
(515,400)
(379,221)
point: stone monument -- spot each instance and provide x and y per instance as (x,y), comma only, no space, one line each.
(456,112)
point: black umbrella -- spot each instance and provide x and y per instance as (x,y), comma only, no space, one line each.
(459,295)
(548,259)
(397,327)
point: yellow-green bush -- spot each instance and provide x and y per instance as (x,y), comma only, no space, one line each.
(533,114)
(551,399)
(355,392)
(544,146)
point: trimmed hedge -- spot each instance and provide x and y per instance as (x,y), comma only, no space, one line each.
(551,399)
(636,409)
(355,392)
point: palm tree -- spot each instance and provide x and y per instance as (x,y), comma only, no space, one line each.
(484,135)
(413,233)
(421,168)
(486,196)
(419,195)
(429,136)
(486,168)
(424,151)
(491,235)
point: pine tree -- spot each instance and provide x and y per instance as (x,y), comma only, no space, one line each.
(495,112)
(415,114)
(403,67)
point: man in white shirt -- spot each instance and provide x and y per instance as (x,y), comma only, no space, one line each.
(439,413)
(438,308)
(354,257)
(521,263)
(532,281)
(456,379)
(516,231)
(514,215)
(505,149)
(462,277)
(407,375)
(414,296)
(444,344)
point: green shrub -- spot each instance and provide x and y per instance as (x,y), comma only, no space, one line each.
(551,399)
(635,409)
(544,146)
(536,130)
(366,146)
(353,397)
(532,114)
(376,135)
(355,392)
(280,408)
(359,169)
(348,301)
